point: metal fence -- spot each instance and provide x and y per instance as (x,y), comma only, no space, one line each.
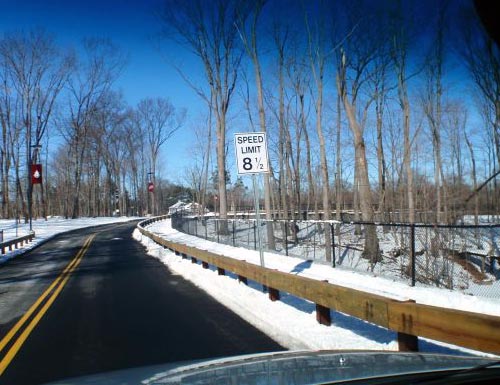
(461,258)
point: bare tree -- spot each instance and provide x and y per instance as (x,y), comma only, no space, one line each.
(400,56)
(482,58)
(159,121)
(248,35)
(380,91)
(432,104)
(319,53)
(354,66)
(297,109)
(95,75)
(209,31)
(481,55)
(34,72)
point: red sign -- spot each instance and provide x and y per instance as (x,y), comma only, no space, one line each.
(36,174)
(151,187)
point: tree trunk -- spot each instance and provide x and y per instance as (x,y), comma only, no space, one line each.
(324,173)
(371,250)
(221,166)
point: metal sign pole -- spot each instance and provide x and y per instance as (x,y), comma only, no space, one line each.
(257,218)
(252,158)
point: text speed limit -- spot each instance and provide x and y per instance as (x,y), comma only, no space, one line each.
(251,152)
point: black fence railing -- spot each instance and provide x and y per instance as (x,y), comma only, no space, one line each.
(458,257)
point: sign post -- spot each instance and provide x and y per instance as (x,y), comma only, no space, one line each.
(252,158)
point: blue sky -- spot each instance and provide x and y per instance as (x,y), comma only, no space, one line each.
(130,24)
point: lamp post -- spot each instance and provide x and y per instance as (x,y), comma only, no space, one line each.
(30,182)
(151,189)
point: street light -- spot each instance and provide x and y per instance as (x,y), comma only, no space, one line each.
(31,175)
(151,189)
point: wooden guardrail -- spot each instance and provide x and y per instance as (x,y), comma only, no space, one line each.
(16,242)
(409,319)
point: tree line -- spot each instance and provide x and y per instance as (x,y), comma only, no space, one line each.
(388,109)
(58,108)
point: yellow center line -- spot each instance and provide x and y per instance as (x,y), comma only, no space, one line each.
(60,282)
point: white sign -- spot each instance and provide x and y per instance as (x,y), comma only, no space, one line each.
(251,153)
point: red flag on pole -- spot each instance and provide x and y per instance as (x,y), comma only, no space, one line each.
(36,173)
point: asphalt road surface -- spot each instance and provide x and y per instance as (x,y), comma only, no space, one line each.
(92,301)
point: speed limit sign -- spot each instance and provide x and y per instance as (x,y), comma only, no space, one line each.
(251,153)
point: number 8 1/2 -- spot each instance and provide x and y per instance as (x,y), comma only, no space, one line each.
(248,165)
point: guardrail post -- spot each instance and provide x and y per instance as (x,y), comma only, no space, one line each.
(274,295)
(407,342)
(194,260)
(204,264)
(323,315)
(242,279)
(221,271)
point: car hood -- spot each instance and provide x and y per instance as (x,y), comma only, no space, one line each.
(295,367)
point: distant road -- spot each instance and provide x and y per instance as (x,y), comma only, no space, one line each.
(92,301)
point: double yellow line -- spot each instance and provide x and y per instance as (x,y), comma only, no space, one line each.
(36,314)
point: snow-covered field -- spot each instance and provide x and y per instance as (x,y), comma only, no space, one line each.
(291,321)
(446,257)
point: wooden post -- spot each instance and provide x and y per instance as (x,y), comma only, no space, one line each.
(221,271)
(323,315)
(242,279)
(274,295)
(194,260)
(407,342)
(204,264)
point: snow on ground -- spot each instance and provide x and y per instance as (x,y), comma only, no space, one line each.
(292,321)
(46,229)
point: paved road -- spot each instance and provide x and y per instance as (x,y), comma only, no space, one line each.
(93,301)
